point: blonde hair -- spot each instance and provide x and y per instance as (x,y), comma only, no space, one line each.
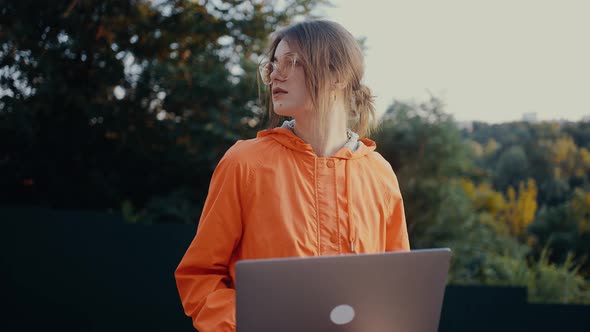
(329,53)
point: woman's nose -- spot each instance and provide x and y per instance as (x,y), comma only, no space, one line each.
(275,75)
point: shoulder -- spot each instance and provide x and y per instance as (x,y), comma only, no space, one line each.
(244,157)
(376,161)
(247,152)
(381,164)
(382,168)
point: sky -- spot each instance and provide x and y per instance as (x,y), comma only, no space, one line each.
(488,61)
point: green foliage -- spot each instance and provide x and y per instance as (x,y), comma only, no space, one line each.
(546,282)
(556,157)
(565,228)
(580,132)
(486,253)
(105,102)
(558,283)
(425,149)
(478,193)
(512,166)
(128,105)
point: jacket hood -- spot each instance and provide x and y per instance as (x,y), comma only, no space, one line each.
(353,149)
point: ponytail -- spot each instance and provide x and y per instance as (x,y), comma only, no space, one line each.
(363,111)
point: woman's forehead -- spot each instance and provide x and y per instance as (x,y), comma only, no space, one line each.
(283,48)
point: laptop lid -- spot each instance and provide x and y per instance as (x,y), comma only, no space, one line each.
(393,291)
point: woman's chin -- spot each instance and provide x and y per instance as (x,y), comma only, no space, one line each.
(282,110)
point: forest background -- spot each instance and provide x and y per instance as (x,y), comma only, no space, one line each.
(127,106)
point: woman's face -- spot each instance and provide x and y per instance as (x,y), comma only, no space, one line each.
(289,95)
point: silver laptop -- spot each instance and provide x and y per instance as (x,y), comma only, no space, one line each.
(394,291)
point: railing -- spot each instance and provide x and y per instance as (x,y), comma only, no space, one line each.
(83,271)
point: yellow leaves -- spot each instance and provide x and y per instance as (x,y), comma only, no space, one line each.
(491,147)
(580,208)
(519,211)
(563,149)
(488,199)
(527,202)
(483,197)
(511,194)
(584,160)
(567,158)
(467,186)
(513,212)
(476,148)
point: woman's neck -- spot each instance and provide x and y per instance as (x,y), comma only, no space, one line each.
(327,138)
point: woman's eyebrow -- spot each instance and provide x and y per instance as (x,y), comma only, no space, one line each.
(274,58)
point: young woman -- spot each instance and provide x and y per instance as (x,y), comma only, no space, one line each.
(307,188)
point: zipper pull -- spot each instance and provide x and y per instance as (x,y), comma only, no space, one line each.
(352,245)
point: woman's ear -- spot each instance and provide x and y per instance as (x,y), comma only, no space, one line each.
(336,83)
(339,85)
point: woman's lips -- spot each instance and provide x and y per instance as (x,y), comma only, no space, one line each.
(277,92)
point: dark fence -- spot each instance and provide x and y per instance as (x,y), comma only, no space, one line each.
(81,271)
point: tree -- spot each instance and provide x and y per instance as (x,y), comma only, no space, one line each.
(446,178)
(520,208)
(106,102)
(565,229)
(511,168)
(425,149)
(568,159)
(483,197)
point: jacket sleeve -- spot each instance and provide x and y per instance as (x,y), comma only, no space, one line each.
(397,230)
(202,277)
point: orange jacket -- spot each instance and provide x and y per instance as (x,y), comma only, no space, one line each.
(273,197)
